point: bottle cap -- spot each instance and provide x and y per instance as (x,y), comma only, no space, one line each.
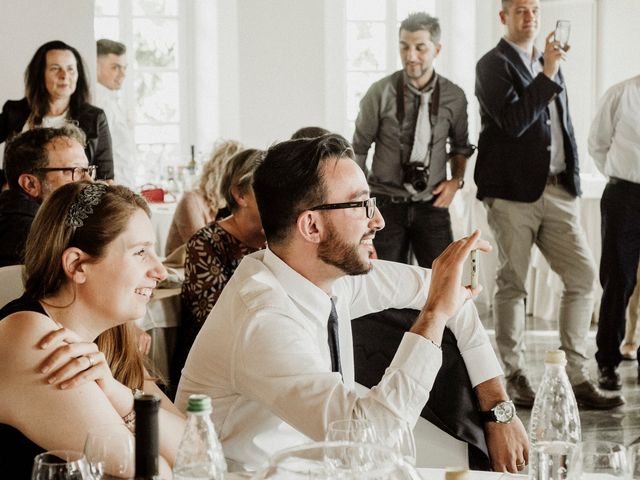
(146,403)
(456,474)
(199,403)
(555,357)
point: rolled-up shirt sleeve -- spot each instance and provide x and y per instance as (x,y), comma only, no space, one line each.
(459,132)
(474,344)
(367,124)
(602,129)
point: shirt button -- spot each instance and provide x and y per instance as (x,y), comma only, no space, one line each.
(548,122)
(548,148)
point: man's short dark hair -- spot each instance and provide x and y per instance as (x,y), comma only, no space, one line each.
(289,180)
(422,21)
(106,47)
(27,151)
(506,4)
(309,132)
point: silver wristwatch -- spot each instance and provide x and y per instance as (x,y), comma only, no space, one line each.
(503,412)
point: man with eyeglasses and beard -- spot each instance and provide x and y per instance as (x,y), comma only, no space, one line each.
(36,163)
(276,354)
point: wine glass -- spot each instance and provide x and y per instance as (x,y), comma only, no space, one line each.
(600,458)
(109,450)
(555,460)
(351,430)
(562,32)
(343,460)
(634,461)
(399,436)
(60,465)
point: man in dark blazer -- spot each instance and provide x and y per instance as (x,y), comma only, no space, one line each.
(527,174)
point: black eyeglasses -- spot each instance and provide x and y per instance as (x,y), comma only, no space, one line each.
(369,204)
(77,173)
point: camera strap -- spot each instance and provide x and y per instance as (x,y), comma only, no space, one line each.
(434,105)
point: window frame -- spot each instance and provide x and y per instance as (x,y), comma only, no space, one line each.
(185,64)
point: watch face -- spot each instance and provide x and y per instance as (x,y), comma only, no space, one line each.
(504,412)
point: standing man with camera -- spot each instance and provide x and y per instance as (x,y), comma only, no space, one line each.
(528,178)
(411,115)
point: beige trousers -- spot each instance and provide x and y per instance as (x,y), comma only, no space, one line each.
(633,312)
(552,224)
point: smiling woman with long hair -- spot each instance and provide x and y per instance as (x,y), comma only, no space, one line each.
(90,271)
(57,92)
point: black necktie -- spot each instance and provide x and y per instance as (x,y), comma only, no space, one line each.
(334,342)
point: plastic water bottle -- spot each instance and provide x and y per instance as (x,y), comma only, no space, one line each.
(554,432)
(199,455)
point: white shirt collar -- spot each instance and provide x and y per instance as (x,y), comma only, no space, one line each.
(528,60)
(303,292)
(107,92)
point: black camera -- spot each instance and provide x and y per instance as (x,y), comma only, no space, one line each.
(416,176)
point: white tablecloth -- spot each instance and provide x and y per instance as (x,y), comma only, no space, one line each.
(161,217)
(161,320)
(439,474)
(425,473)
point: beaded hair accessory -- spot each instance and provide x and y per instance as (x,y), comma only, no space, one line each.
(80,210)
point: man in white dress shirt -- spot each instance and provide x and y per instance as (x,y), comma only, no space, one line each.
(111,70)
(614,144)
(267,353)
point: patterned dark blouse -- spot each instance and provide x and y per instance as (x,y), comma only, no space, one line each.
(212,255)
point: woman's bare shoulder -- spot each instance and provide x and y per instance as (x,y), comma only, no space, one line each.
(20,336)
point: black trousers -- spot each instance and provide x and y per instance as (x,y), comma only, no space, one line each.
(452,404)
(416,227)
(620,210)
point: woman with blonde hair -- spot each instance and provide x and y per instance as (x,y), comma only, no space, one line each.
(199,207)
(214,251)
(90,270)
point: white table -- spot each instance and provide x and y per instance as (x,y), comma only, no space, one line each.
(439,474)
(161,321)
(425,473)
(161,218)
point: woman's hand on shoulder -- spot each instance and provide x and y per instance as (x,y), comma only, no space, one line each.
(74,361)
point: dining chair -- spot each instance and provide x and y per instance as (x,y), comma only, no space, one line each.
(11,286)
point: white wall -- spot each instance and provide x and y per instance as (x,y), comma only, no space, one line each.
(618,42)
(280,68)
(277,65)
(28,24)
(25,25)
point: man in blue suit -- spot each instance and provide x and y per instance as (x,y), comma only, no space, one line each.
(528,179)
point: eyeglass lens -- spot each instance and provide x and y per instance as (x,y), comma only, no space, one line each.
(370,207)
(80,173)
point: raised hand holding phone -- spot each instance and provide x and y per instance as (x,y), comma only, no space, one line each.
(562,32)
(474,269)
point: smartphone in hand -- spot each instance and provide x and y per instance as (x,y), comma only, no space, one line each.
(474,268)
(561,35)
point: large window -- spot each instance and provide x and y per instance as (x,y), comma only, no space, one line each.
(372,44)
(151,30)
